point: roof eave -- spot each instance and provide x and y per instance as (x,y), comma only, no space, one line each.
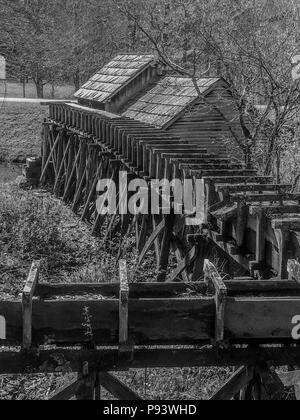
(193,102)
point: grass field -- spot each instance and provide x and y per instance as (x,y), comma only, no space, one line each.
(15,90)
(20,130)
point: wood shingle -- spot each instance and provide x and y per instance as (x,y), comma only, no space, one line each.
(113,77)
(167,99)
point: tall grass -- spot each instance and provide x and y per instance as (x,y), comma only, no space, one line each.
(34,226)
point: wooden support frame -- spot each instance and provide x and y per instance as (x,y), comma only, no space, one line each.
(184,264)
(151,240)
(27,296)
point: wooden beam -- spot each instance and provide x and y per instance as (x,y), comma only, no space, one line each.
(27,297)
(87,378)
(165,248)
(212,275)
(45,168)
(186,262)
(282,236)
(256,317)
(241,224)
(235,188)
(294,270)
(66,392)
(14,362)
(271,383)
(265,198)
(123,305)
(155,234)
(236,287)
(57,185)
(261,225)
(239,380)
(143,233)
(62,320)
(118,389)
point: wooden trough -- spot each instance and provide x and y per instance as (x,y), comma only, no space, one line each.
(110,323)
(214,311)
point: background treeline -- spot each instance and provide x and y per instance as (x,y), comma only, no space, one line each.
(250,43)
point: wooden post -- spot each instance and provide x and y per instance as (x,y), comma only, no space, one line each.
(282,236)
(123,306)
(165,248)
(212,275)
(294,270)
(260,241)
(27,297)
(200,242)
(86,384)
(242,214)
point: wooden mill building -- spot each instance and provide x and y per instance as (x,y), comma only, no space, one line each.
(138,87)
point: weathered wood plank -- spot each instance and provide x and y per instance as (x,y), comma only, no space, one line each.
(66,392)
(235,287)
(27,295)
(294,270)
(46,164)
(212,275)
(63,321)
(165,248)
(158,230)
(117,388)
(260,318)
(123,304)
(272,386)
(188,260)
(15,362)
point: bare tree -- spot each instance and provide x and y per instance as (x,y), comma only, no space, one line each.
(250,44)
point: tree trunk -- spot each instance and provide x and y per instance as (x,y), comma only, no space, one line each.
(24,87)
(52,91)
(278,167)
(39,88)
(76,79)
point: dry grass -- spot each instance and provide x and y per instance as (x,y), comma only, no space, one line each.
(20,130)
(34,226)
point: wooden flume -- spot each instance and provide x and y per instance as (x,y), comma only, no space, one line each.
(251,224)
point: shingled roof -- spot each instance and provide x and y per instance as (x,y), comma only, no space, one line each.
(167,99)
(114,76)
